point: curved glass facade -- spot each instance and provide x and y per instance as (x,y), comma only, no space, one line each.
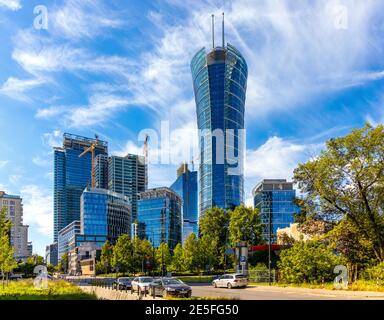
(220,81)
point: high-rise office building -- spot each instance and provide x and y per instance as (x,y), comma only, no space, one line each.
(126,175)
(19,232)
(186,187)
(274,199)
(219,82)
(160,216)
(51,254)
(101,171)
(71,175)
(105,215)
(30,249)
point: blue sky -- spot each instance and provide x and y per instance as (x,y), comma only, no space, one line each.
(316,70)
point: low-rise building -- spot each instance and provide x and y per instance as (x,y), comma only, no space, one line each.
(67,238)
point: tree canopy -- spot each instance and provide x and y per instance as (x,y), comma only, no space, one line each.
(347,179)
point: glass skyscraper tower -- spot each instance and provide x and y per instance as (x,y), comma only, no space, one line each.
(220,81)
(71,175)
(186,187)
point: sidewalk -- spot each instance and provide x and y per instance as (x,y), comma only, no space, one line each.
(110,294)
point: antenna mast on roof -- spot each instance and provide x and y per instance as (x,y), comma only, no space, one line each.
(222,31)
(213,31)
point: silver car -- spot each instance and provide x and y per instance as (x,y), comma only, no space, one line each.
(230,281)
(141,284)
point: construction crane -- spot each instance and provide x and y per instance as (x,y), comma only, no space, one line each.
(146,158)
(92,150)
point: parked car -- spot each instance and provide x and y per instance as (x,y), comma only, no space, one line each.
(170,287)
(15,277)
(141,284)
(123,283)
(230,281)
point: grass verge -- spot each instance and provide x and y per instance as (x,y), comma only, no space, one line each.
(57,290)
(359,285)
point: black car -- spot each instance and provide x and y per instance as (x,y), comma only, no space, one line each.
(170,287)
(122,283)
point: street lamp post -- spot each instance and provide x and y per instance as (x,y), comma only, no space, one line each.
(269,246)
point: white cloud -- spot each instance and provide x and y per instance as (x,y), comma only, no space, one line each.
(3,163)
(50,112)
(13,5)
(52,139)
(38,208)
(100,108)
(14,178)
(41,162)
(78,19)
(276,159)
(15,88)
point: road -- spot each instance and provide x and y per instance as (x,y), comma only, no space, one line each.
(279,293)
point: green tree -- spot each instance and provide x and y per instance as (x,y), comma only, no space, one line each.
(51,268)
(190,253)
(106,258)
(347,178)
(5,224)
(142,250)
(206,253)
(245,225)
(163,257)
(309,261)
(123,254)
(7,262)
(177,259)
(213,228)
(64,263)
(352,245)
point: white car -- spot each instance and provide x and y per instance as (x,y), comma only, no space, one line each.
(230,281)
(141,284)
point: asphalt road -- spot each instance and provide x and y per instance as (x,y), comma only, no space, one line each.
(278,293)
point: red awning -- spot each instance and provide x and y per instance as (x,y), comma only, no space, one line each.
(261,247)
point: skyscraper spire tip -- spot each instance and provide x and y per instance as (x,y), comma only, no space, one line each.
(213,31)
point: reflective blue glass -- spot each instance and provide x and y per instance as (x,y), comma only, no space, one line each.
(219,81)
(71,175)
(160,218)
(186,187)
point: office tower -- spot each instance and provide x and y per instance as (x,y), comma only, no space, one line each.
(71,175)
(126,175)
(219,82)
(186,187)
(274,199)
(105,215)
(19,232)
(101,171)
(51,254)
(67,238)
(160,216)
(30,249)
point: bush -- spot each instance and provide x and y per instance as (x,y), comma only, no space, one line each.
(307,262)
(57,290)
(376,272)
